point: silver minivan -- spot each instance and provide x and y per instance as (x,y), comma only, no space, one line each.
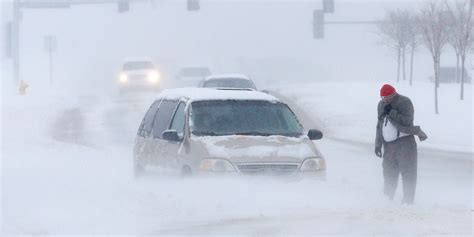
(202,131)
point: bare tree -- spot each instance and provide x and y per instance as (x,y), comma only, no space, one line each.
(433,25)
(460,37)
(403,19)
(393,32)
(413,36)
(453,40)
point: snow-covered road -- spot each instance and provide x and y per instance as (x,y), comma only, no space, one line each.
(79,181)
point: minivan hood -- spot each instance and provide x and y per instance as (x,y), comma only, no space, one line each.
(251,149)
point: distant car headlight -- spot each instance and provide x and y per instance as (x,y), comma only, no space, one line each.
(216,165)
(313,164)
(123,78)
(153,77)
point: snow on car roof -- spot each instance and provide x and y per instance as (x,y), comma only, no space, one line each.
(227,76)
(198,94)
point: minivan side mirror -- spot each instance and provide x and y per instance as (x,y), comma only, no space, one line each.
(315,134)
(171,135)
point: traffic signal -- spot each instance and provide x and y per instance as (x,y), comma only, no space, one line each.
(318,24)
(123,5)
(328,6)
(193,5)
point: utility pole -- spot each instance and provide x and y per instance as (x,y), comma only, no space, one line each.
(15,40)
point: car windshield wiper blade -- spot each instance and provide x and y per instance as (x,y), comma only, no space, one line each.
(269,134)
(207,133)
(254,133)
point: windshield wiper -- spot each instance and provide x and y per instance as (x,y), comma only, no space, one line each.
(254,134)
(207,133)
(269,134)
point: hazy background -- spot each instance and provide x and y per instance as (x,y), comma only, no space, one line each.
(270,40)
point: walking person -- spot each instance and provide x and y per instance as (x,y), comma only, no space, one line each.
(395,134)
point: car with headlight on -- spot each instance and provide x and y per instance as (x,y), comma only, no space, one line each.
(204,131)
(139,74)
(229,81)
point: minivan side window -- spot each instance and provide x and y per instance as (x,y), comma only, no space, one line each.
(163,117)
(145,127)
(179,119)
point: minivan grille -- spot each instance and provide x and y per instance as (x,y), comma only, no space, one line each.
(267,168)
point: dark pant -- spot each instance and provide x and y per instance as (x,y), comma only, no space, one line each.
(400,157)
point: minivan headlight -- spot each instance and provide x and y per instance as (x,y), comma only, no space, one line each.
(123,77)
(216,165)
(153,76)
(313,164)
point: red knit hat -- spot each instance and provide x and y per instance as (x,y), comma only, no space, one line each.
(387,90)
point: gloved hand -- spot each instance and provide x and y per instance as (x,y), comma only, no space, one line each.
(387,109)
(378,151)
(422,135)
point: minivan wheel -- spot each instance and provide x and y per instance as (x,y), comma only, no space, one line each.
(186,171)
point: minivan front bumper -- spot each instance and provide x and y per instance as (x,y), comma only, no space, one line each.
(260,168)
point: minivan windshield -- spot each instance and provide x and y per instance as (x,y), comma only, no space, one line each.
(243,117)
(229,83)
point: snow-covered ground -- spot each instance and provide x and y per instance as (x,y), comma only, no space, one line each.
(66,169)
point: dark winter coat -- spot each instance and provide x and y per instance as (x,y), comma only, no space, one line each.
(401,116)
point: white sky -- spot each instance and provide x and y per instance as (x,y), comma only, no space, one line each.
(267,39)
